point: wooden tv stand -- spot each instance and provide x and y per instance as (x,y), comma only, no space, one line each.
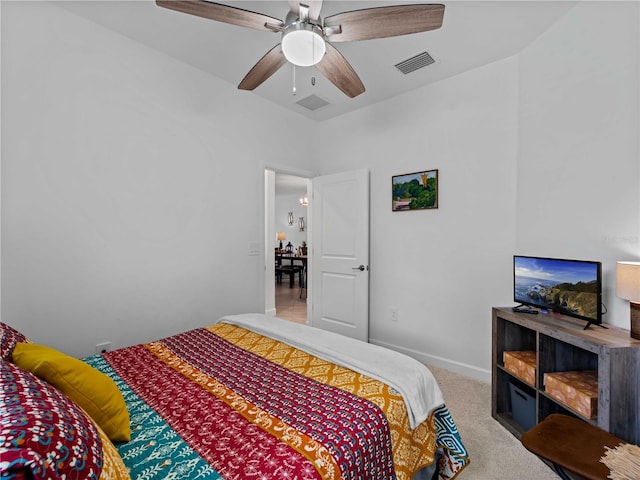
(562,345)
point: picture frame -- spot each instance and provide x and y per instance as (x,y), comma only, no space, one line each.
(414,191)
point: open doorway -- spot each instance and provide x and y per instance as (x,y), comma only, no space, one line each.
(286,232)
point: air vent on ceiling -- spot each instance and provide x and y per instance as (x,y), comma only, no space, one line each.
(312,102)
(414,63)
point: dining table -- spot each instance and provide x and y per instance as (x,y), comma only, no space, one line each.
(291,258)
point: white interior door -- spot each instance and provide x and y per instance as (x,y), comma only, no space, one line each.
(340,253)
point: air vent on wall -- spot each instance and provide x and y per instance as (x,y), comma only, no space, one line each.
(414,63)
(312,102)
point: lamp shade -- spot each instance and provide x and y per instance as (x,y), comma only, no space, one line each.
(302,44)
(628,281)
(281,236)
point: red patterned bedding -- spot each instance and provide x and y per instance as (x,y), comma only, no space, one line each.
(319,427)
(225,402)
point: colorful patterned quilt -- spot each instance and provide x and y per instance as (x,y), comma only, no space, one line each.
(224,402)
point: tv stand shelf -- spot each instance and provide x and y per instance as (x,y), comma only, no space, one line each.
(561,345)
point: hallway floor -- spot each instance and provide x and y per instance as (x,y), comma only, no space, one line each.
(289,305)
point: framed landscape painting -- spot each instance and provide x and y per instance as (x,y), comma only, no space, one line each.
(414,191)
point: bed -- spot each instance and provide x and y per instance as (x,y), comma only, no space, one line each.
(250,397)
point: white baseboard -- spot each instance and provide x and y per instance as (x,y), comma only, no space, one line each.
(271,312)
(451,365)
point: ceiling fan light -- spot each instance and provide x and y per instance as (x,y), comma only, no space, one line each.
(302,44)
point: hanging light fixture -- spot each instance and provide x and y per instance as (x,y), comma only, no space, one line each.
(304,201)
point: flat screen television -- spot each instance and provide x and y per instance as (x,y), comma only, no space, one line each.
(568,287)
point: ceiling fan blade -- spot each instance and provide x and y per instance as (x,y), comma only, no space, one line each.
(221,13)
(314,7)
(266,66)
(383,22)
(339,72)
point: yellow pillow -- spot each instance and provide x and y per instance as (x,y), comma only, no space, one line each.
(92,390)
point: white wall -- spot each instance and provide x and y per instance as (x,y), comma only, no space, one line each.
(560,121)
(578,130)
(121,214)
(443,269)
(122,217)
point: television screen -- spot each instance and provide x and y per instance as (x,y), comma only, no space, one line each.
(569,287)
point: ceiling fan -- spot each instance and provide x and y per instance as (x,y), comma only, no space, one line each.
(307,38)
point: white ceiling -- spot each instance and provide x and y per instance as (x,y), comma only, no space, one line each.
(290,184)
(473,33)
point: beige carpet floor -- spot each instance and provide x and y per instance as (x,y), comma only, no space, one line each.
(495,453)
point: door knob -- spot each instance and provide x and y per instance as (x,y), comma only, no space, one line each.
(361,268)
